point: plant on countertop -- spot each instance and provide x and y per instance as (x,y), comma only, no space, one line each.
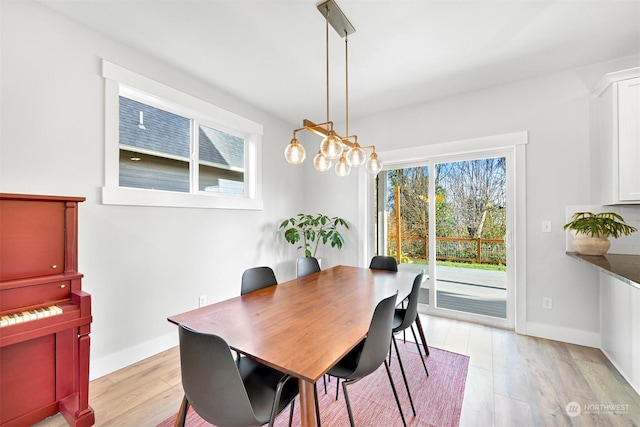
(591,231)
(604,224)
(311,230)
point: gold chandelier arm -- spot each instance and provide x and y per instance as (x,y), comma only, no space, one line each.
(295,131)
(348,143)
(319,128)
(347,140)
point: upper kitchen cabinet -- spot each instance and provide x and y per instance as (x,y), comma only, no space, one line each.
(615,143)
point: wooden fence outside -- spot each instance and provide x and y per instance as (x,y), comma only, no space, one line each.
(481,251)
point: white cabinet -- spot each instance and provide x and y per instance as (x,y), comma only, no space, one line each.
(615,140)
(620,326)
(629,139)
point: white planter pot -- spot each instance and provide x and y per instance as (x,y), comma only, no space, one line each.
(589,245)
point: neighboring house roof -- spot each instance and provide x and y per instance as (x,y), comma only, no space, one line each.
(220,147)
(168,133)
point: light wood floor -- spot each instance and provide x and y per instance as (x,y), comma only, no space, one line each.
(513,380)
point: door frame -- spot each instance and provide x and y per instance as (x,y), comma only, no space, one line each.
(512,146)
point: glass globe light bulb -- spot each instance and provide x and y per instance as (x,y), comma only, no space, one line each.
(373,165)
(331,146)
(342,167)
(295,152)
(321,163)
(356,156)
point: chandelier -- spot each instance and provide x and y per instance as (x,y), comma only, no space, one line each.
(345,149)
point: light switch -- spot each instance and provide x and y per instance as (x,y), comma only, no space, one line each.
(546,226)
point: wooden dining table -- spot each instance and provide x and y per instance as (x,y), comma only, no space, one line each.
(302,327)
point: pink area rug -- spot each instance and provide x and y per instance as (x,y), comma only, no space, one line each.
(437,398)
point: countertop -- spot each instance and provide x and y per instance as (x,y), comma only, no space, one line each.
(623,267)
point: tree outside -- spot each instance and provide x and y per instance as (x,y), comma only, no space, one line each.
(470,210)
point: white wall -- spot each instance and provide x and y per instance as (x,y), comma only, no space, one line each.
(141,264)
(554,110)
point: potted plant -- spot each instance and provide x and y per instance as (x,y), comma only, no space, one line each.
(591,231)
(311,230)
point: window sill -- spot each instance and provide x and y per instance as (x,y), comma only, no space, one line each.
(145,197)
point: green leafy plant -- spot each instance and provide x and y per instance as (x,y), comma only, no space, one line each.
(403,259)
(311,230)
(603,224)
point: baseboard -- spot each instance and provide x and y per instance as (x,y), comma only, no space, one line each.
(568,335)
(113,362)
(623,372)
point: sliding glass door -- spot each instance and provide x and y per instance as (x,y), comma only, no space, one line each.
(450,217)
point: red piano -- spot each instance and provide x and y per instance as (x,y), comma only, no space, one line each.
(45,316)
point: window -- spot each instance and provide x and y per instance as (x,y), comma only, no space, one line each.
(166,148)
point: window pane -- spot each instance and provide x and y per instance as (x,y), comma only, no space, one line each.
(470,226)
(154,147)
(221,165)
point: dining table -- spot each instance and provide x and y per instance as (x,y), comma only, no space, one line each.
(304,326)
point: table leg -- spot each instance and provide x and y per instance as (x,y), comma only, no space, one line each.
(421,333)
(307,404)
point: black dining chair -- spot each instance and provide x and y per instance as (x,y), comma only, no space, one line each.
(227,393)
(369,354)
(404,318)
(306,266)
(257,278)
(383,262)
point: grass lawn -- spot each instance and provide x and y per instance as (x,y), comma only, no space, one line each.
(495,267)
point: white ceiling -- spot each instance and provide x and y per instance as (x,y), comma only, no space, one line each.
(272,53)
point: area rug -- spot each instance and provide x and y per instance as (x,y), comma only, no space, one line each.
(437,398)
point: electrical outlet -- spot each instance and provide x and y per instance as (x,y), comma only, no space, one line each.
(547,303)
(546,226)
(202,301)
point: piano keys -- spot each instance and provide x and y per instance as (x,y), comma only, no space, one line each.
(33,314)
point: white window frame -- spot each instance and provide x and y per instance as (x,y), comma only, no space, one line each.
(119,80)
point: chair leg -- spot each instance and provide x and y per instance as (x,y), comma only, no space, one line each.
(276,399)
(404,376)
(324,379)
(346,398)
(419,352)
(337,387)
(404,335)
(181,418)
(395,393)
(421,332)
(293,405)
